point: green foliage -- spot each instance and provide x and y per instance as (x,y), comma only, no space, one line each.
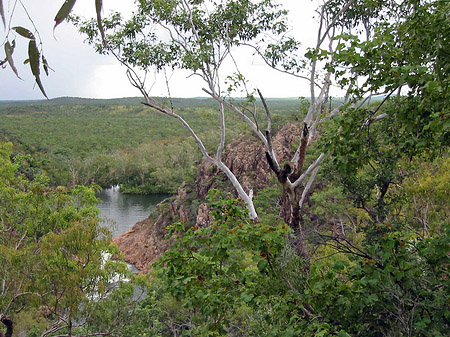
(426,203)
(53,251)
(401,288)
(220,269)
(267,202)
(239,278)
(366,157)
(200,34)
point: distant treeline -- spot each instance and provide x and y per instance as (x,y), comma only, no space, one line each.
(120,141)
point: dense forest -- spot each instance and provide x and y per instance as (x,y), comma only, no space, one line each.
(310,217)
(116,142)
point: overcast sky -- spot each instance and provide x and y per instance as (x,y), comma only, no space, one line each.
(80,72)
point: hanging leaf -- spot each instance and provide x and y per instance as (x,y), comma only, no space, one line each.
(98,9)
(9,50)
(26,61)
(45,65)
(39,83)
(64,12)
(24,32)
(33,55)
(2,13)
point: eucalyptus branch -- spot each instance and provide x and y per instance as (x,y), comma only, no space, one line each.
(135,82)
(54,328)
(311,167)
(320,39)
(308,186)
(367,99)
(253,113)
(371,120)
(266,108)
(273,163)
(168,90)
(383,101)
(240,113)
(209,75)
(336,110)
(222,133)
(31,20)
(335,19)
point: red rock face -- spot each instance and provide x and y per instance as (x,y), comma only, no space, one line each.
(246,158)
(141,245)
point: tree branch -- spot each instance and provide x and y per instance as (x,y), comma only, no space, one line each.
(311,167)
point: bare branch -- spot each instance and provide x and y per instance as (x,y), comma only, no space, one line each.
(308,186)
(375,119)
(311,167)
(247,198)
(383,101)
(333,22)
(222,133)
(252,125)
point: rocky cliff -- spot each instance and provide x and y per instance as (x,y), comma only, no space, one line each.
(245,156)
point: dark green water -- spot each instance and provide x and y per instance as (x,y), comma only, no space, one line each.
(122,211)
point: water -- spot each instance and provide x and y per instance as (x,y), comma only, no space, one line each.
(122,211)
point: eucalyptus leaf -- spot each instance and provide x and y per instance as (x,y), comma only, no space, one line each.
(41,87)
(45,64)
(9,50)
(2,13)
(64,12)
(33,54)
(24,32)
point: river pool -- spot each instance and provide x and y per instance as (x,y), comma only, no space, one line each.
(122,211)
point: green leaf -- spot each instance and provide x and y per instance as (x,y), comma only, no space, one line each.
(9,49)
(45,64)
(24,32)
(2,13)
(33,55)
(262,265)
(247,297)
(64,12)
